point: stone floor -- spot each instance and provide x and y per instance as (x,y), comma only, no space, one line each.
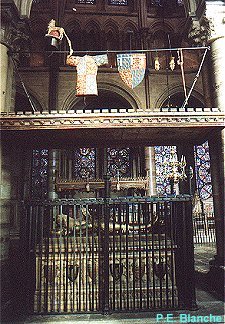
(204,253)
(208,303)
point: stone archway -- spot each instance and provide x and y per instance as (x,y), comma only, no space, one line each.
(176,100)
(109,97)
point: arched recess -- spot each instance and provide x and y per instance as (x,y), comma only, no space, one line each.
(111,31)
(109,97)
(130,36)
(23,103)
(75,35)
(176,98)
(92,36)
(38,40)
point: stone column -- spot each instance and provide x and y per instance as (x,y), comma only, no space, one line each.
(11,181)
(14,37)
(4,73)
(150,170)
(11,159)
(215,13)
(218,69)
(217,152)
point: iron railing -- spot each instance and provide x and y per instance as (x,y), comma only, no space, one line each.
(107,255)
(204,228)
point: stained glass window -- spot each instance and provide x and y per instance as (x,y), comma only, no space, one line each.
(84,163)
(118,2)
(39,177)
(86,1)
(118,162)
(203,175)
(164,3)
(162,155)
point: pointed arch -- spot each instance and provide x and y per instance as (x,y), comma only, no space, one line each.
(74,32)
(111,25)
(92,36)
(130,36)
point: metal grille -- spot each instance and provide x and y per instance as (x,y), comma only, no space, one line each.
(204,228)
(109,255)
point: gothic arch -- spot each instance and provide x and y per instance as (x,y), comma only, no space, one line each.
(129,25)
(92,25)
(74,32)
(130,36)
(72,25)
(111,25)
(157,26)
(178,91)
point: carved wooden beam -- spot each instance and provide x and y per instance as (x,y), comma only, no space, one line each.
(77,120)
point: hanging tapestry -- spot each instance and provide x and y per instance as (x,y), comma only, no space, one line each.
(87,68)
(131,68)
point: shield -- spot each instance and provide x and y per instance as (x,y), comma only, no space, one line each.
(73,271)
(131,68)
(160,268)
(116,270)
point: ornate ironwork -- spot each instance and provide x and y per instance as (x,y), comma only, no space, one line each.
(142,267)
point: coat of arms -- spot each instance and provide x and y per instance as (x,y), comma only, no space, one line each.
(131,68)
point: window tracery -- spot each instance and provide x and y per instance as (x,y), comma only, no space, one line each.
(118,2)
(92,2)
(84,163)
(163,155)
(164,3)
(118,162)
(39,174)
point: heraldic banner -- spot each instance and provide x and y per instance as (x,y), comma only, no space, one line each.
(131,68)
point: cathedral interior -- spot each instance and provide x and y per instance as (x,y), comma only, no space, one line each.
(112,153)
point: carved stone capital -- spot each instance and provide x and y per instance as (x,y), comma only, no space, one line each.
(216,16)
(200,31)
(14,30)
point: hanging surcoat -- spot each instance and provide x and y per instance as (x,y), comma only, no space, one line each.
(87,68)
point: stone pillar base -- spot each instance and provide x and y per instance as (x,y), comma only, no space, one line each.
(216,275)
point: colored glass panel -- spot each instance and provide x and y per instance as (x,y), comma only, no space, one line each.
(118,2)
(86,1)
(118,162)
(163,154)
(84,163)
(203,175)
(39,176)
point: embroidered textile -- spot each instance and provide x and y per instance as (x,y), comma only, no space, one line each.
(131,68)
(87,68)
